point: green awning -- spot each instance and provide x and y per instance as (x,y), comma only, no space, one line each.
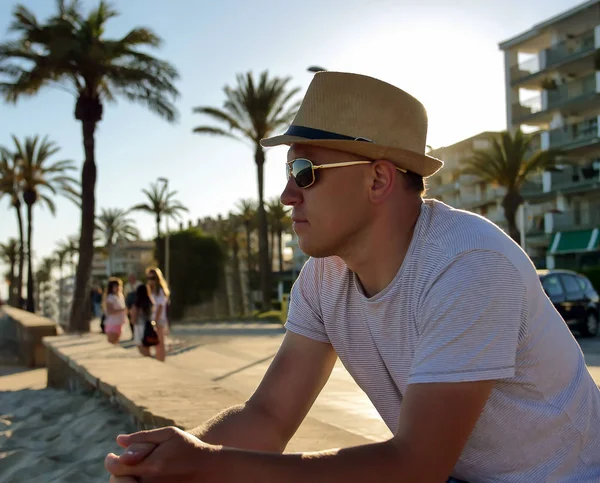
(574,241)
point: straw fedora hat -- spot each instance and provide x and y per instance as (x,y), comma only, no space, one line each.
(363,116)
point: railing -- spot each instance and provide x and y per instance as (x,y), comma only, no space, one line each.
(572,90)
(578,133)
(535,145)
(574,176)
(570,47)
(525,69)
(577,219)
(443,189)
(533,104)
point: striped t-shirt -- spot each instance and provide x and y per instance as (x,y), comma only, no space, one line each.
(465,305)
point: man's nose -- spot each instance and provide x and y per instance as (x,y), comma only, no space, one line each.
(291,195)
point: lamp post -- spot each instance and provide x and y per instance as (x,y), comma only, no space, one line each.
(167,248)
(315,68)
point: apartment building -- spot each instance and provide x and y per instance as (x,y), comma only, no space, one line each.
(552,78)
(464,191)
(467,192)
(126,257)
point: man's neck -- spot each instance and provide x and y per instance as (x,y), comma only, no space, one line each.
(380,253)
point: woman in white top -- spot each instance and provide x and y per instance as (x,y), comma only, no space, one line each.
(160,293)
(114,308)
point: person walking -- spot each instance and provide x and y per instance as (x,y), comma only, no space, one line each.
(114,309)
(159,289)
(130,290)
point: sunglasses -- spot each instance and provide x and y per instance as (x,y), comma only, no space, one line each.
(303,170)
(151,278)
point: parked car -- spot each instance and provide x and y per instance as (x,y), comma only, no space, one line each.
(574,297)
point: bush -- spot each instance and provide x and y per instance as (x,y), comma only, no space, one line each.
(196,262)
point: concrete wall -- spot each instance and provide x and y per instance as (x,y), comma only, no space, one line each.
(21,335)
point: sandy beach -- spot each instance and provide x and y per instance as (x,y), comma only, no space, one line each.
(49,435)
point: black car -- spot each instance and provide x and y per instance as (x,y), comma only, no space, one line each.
(574,297)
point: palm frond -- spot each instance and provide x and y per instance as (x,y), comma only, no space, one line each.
(70,49)
(215,131)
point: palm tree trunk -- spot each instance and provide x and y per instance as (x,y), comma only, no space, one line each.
(271,248)
(30,286)
(60,293)
(249,266)
(12,299)
(19,288)
(79,320)
(279,238)
(109,249)
(157,226)
(248,245)
(237,277)
(511,203)
(263,233)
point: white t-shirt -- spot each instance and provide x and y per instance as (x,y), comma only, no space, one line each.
(116,302)
(465,305)
(160,299)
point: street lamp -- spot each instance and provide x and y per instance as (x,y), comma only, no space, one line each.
(315,68)
(167,249)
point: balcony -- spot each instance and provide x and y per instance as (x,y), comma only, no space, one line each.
(575,135)
(576,219)
(443,188)
(578,91)
(571,91)
(574,178)
(570,48)
(525,69)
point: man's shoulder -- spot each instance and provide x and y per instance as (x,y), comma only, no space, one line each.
(452,232)
(325,273)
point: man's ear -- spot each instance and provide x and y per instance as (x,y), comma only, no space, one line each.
(382,181)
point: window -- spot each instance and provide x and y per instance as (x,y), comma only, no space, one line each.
(552,286)
(571,285)
(584,284)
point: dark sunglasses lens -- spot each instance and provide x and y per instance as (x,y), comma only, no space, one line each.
(302,172)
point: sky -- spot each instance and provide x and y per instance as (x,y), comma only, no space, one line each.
(444,53)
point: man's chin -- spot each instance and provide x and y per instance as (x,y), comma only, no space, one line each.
(313,250)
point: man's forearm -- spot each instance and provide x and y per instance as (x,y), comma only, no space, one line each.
(245,427)
(382,462)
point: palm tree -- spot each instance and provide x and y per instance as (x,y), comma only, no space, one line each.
(246,212)
(229,235)
(61,254)
(509,162)
(254,110)
(10,185)
(70,247)
(160,203)
(43,278)
(280,223)
(39,174)
(9,254)
(113,225)
(70,50)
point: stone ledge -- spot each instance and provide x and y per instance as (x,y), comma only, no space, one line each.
(24,331)
(157,394)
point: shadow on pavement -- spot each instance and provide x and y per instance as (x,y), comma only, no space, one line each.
(243,368)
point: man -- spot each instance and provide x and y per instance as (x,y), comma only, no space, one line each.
(437,314)
(130,288)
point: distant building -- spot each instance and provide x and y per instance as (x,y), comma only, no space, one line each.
(463,191)
(298,258)
(552,83)
(127,257)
